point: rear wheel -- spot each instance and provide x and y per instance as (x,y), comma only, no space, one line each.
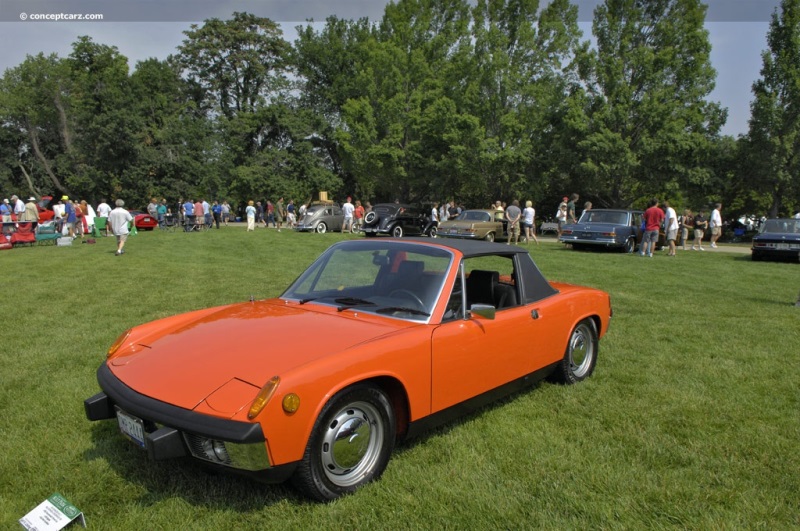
(630,245)
(581,355)
(350,444)
(321,228)
(433,232)
(397,231)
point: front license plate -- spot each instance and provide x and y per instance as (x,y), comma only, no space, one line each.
(132,427)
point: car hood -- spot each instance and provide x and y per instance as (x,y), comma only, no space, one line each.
(232,352)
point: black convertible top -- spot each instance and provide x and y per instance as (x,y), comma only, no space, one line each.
(533,285)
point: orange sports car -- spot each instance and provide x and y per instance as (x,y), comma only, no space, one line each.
(374,342)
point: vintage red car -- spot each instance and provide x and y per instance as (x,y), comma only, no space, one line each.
(143,220)
(376,341)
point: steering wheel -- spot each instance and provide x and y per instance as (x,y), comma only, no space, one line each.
(404,293)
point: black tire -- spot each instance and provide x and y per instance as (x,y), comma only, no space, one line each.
(397,231)
(756,257)
(630,246)
(489,237)
(580,356)
(350,444)
(370,234)
(433,232)
(321,228)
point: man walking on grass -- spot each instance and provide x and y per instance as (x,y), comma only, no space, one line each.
(118,220)
(716,225)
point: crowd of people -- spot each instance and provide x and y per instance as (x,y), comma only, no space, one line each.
(74,219)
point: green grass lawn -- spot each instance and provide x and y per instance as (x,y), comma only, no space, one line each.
(691,420)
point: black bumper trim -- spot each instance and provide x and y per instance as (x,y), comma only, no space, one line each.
(117,393)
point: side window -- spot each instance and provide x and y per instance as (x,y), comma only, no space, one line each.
(491,280)
(455,308)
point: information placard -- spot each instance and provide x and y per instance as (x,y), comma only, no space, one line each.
(52,514)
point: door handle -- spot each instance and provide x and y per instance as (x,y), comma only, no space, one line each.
(534,314)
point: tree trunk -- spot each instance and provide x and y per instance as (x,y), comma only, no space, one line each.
(39,155)
(33,189)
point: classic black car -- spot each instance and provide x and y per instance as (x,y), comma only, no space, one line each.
(777,238)
(398,220)
(619,229)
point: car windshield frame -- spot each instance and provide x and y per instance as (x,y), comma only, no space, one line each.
(611,217)
(475,215)
(781,226)
(393,279)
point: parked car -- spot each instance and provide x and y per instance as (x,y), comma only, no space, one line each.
(395,336)
(777,238)
(321,219)
(398,220)
(45,208)
(488,225)
(610,228)
(143,220)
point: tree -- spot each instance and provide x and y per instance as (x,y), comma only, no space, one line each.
(774,133)
(35,112)
(646,114)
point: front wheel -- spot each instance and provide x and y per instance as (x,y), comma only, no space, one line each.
(321,228)
(489,237)
(397,232)
(433,231)
(581,355)
(350,444)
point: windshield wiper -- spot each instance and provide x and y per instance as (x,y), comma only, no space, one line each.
(393,309)
(349,302)
(303,301)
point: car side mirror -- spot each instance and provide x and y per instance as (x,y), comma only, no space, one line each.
(485,311)
(380,260)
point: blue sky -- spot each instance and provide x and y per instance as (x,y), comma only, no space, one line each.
(153,28)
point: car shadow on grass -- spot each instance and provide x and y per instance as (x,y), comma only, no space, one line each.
(186,477)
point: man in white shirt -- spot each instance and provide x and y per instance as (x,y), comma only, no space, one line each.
(716,225)
(670,227)
(119,219)
(347,210)
(19,206)
(103,210)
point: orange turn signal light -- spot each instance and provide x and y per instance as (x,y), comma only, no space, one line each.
(291,403)
(118,343)
(263,397)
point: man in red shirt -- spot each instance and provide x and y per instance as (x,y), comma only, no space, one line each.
(653,219)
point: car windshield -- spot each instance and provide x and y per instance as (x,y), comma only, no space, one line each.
(781,225)
(596,216)
(394,279)
(474,215)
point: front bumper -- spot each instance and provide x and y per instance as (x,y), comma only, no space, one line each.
(171,431)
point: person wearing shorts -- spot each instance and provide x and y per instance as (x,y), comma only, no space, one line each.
(118,219)
(653,218)
(700,225)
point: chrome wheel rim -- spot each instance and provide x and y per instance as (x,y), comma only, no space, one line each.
(322,228)
(581,350)
(351,444)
